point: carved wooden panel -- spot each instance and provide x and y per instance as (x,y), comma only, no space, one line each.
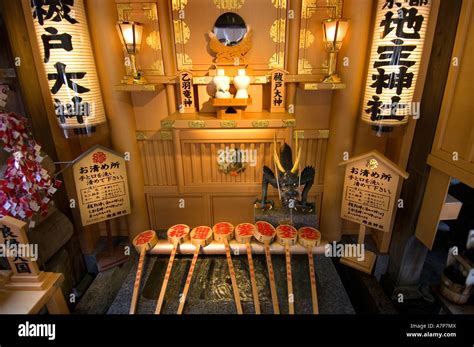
(158,162)
(200,154)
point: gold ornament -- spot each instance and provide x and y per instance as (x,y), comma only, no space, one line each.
(306,38)
(229,4)
(181,32)
(279,3)
(153,40)
(179,4)
(277,30)
(308,8)
(184,61)
(372,164)
(277,61)
(304,66)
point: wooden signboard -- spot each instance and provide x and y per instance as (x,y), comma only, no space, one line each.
(186,92)
(21,256)
(370,193)
(370,198)
(278,91)
(100,175)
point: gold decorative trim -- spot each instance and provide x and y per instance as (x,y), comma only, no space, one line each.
(260,123)
(167,124)
(304,66)
(290,123)
(166,135)
(306,38)
(278,30)
(184,62)
(229,4)
(300,134)
(337,5)
(157,67)
(150,11)
(121,8)
(228,124)
(179,4)
(196,124)
(277,61)
(323,134)
(140,135)
(153,40)
(182,33)
(308,8)
(279,3)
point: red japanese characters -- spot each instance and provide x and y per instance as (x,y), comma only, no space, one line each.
(178,233)
(201,236)
(265,232)
(223,231)
(146,239)
(244,232)
(309,237)
(286,235)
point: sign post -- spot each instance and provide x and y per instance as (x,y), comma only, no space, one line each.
(370,195)
(100,176)
(21,256)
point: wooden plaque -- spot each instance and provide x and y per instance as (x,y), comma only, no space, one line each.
(186,92)
(371,188)
(278,92)
(100,176)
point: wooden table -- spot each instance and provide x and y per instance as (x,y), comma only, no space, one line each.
(31,301)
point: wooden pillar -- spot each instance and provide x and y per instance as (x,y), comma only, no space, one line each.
(293,48)
(345,110)
(108,51)
(407,253)
(168,51)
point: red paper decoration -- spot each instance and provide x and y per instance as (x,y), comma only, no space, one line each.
(26,188)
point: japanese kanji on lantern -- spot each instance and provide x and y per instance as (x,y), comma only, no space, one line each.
(397,48)
(100,177)
(65,49)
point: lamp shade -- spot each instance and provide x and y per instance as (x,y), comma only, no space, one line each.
(63,38)
(131,35)
(397,48)
(334,32)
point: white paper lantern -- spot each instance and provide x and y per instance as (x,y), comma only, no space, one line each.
(397,47)
(65,47)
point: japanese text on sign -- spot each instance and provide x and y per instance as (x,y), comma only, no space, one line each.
(395,58)
(101,185)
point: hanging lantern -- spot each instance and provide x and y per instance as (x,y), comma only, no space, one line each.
(64,42)
(397,47)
